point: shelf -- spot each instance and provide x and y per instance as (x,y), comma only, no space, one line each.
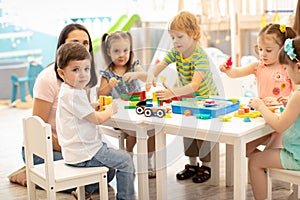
(15,35)
(20,53)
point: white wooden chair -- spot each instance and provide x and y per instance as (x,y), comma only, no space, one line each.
(289,176)
(55,176)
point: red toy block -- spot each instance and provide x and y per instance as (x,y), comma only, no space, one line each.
(229,63)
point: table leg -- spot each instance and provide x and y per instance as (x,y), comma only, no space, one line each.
(142,163)
(215,160)
(240,170)
(229,165)
(161,163)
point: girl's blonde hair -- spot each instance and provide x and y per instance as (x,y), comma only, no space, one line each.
(106,41)
(186,22)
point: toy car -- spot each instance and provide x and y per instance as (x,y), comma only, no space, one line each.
(143,108)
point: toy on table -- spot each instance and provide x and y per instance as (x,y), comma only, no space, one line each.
(153,107)
(204,108)
(247,119)
(148,109)
(246,111)
(203,116)
(229,63)
(226,118)
(104,100)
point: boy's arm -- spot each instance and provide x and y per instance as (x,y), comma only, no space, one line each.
(153,73)
(101,117)
(187,89)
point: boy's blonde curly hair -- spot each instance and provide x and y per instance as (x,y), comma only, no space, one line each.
(186,22)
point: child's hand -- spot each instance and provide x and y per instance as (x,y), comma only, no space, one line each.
(283,100)
(96,105)
(130,76)
(113,82)
(151,80)
(112,107)
(224,67)
(165,94)
(257,103)
(271,101)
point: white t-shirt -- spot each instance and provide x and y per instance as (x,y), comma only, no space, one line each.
(47,88)
(77,136)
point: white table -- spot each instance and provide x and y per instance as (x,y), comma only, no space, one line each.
(235,134)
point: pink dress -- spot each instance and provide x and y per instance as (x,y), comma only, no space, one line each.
(272,82)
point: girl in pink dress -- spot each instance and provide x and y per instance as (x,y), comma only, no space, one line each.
(272,80)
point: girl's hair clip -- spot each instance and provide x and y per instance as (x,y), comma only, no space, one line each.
(289,49)
(282,28)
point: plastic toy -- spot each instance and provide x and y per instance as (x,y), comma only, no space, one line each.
(150,110)
(251,114)
(226,118)
(212,107)
(247,119)
(229,63)
(104,100)
(203,116)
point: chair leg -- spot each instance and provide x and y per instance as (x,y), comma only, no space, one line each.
(51,194)
(103,190)
(269,181)
(13,92)
(22,91)
(294,194)
(31,191)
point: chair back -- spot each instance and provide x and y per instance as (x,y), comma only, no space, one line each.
(38,141)
(33,71)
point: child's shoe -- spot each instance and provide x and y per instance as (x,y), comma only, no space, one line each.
(188,172)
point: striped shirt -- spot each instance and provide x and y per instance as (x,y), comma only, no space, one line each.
(186,67)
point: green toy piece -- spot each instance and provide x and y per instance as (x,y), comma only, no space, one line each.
(203,116)
(247,119)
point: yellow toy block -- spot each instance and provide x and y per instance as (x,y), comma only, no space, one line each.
(226,118)
(251,114)
(104,100)
(168,115)
(154,98)
(133,103)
